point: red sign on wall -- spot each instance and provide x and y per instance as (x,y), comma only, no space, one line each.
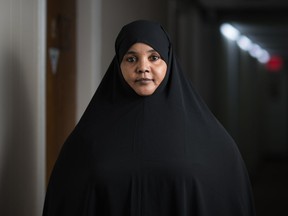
(275,64)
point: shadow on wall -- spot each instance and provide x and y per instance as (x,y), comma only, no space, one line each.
(17,164)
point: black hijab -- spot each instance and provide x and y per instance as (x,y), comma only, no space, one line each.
(158,155)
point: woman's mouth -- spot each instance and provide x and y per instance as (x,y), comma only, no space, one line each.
(144,80)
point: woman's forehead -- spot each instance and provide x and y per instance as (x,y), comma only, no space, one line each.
(140,48)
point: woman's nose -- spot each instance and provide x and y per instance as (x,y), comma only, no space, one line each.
(143,66)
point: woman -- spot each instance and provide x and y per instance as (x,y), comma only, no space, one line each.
(147,144)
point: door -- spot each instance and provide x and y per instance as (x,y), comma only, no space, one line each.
(60,77)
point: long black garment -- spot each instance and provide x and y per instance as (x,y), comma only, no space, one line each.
(158,155)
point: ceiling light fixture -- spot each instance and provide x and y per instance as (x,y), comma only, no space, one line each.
(244,43)
(229,31)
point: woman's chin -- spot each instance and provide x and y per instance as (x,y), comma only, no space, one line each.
(144,91)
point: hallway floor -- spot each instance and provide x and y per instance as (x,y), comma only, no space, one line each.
(271,189)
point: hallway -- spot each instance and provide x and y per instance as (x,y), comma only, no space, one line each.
(271,189)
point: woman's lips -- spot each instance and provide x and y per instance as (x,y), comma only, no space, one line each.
(143,80)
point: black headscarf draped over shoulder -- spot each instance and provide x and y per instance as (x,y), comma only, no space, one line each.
(158,155)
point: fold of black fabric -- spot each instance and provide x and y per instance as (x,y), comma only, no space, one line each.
(159,155)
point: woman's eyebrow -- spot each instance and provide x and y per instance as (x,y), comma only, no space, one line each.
(130,52)
(151,51)
(134,52)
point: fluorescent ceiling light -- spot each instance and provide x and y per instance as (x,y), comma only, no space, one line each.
(255,51)
(264,58)
(244,43)
(229,31)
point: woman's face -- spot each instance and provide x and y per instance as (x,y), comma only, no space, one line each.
(143,69)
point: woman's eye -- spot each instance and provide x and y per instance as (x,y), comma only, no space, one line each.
(131,59)
(154,57)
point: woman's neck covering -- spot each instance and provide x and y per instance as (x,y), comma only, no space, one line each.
(159,155)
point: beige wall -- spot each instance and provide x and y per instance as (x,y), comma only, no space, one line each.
(22,107)
(88,51)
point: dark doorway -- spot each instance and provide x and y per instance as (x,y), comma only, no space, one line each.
(60,76)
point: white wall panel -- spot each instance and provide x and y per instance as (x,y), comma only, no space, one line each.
(22,138)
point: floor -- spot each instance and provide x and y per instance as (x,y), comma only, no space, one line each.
(270,188)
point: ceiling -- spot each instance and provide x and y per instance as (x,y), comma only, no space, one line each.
(265,22)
